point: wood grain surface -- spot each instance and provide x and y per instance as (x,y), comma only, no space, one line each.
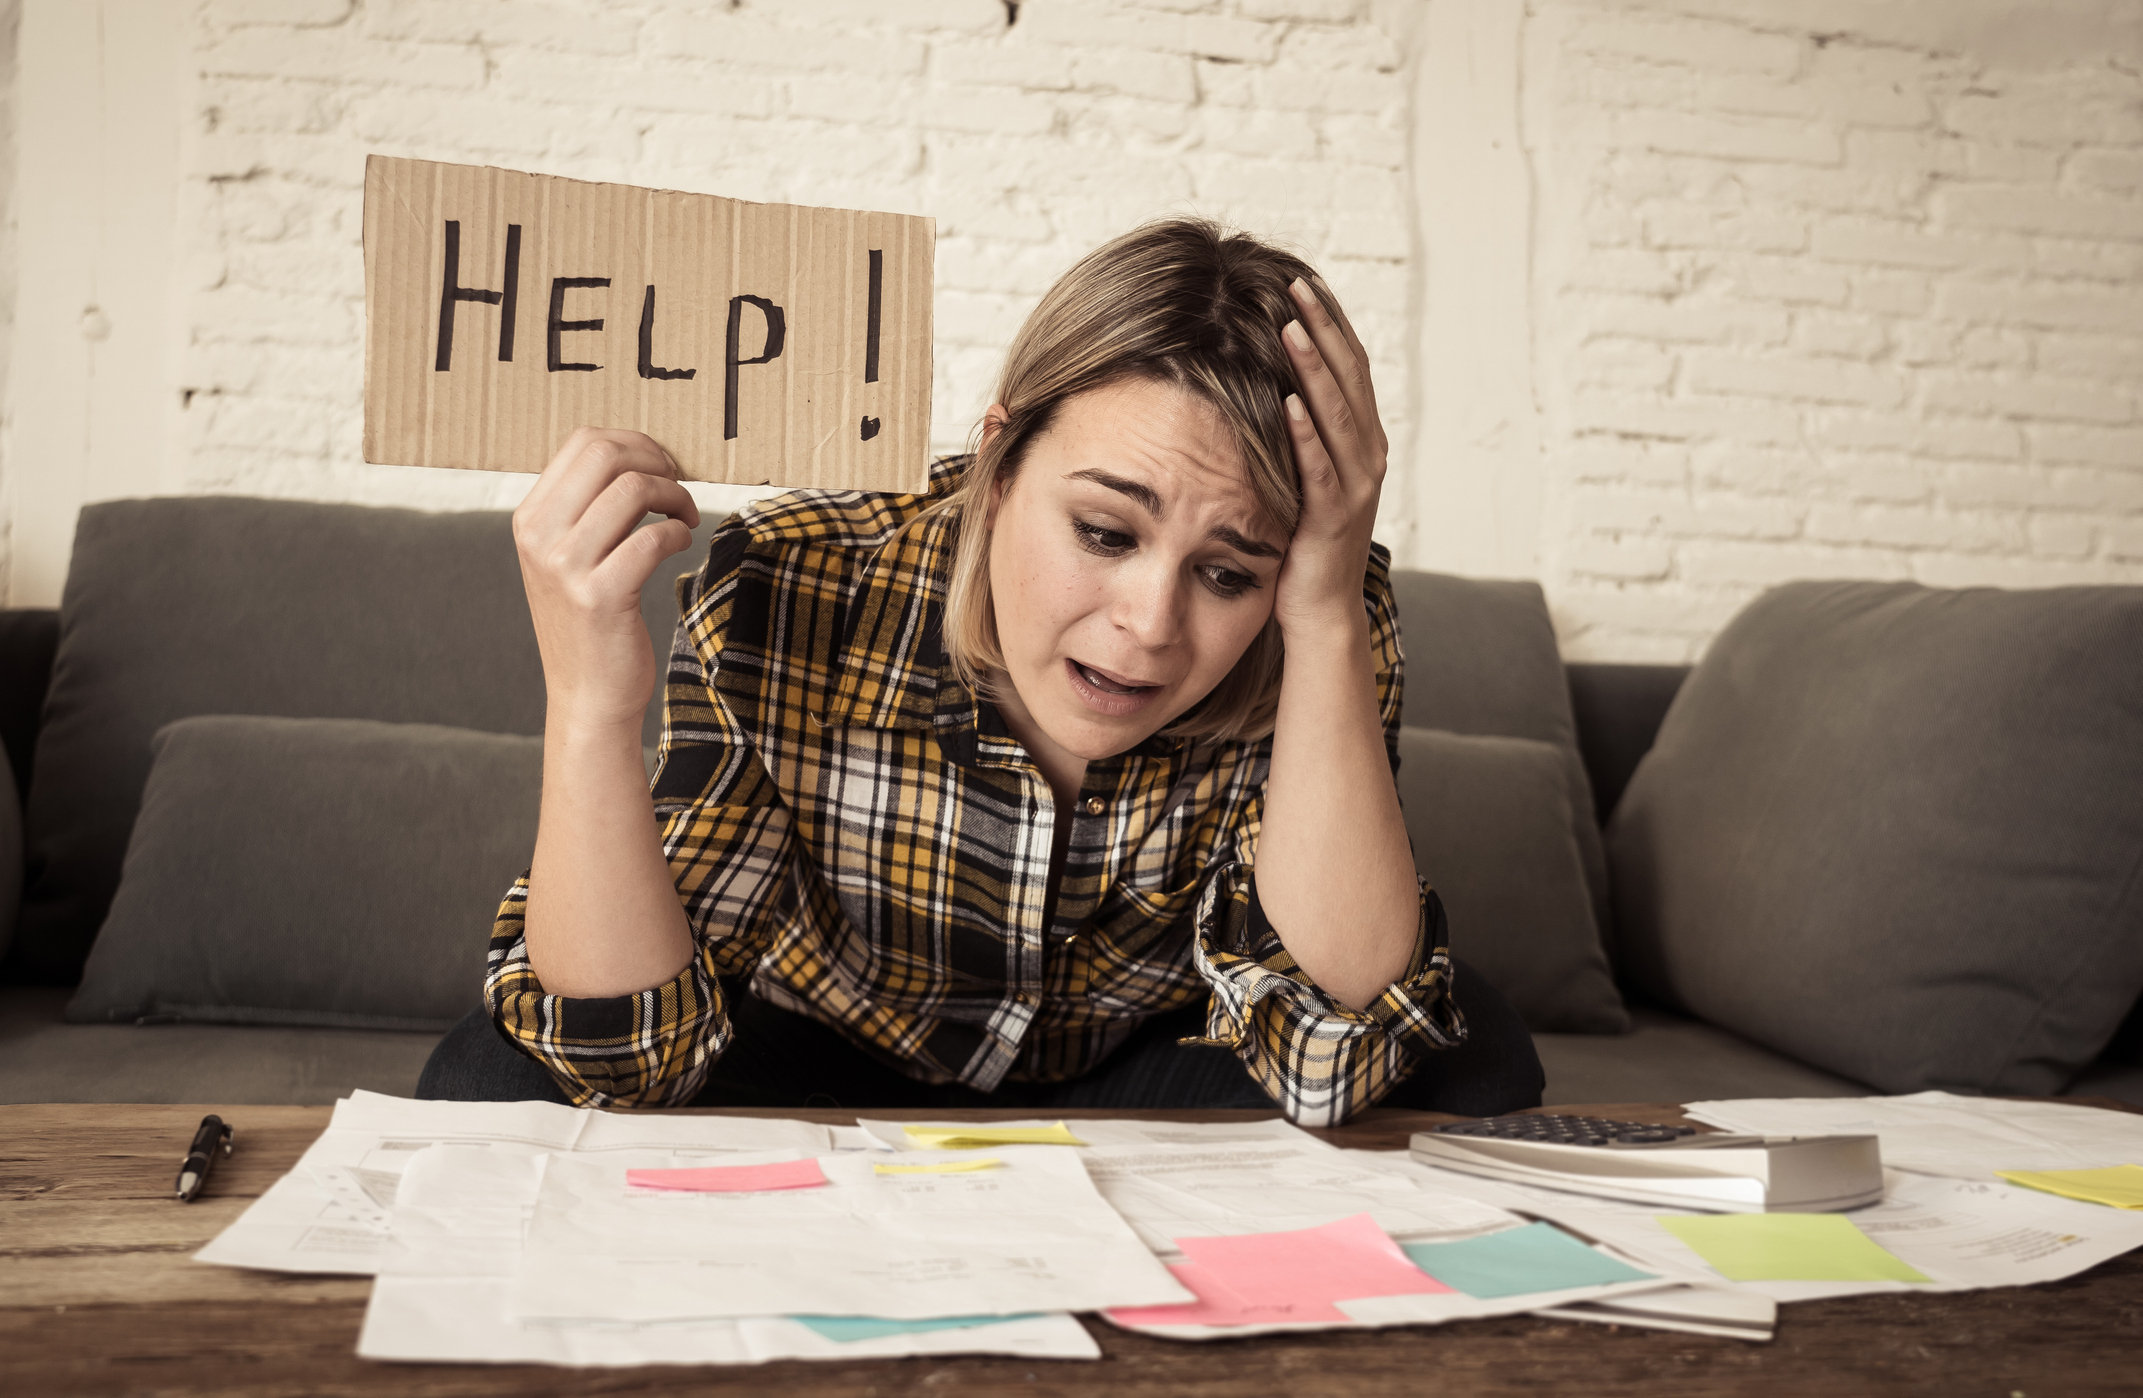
(98,1296)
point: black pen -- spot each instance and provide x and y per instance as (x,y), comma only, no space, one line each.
(213,1138)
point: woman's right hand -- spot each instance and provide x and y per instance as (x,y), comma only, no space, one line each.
(584,560)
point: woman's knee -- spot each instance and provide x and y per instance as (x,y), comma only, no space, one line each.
(473,1063)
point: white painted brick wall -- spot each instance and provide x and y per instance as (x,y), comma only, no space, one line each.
(1816,303)
(1030,142)
(1818,288)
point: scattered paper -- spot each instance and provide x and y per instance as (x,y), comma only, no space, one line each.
(1537,1257)
(1295,1276)
(465,1320)
(1168,1192)
(943,1167)
(732,1179)
(1031,1235)
(1788,1247)
(1728,1312)
(1941,1133)
(848,1329)
(1106,1131)
(329,1213)
(2120,1186)
(972,1137)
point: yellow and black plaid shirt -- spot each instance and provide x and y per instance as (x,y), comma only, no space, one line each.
(850,828)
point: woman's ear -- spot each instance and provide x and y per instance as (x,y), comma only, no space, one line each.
(994,420)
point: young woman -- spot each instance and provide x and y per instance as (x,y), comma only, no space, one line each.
(1067,783)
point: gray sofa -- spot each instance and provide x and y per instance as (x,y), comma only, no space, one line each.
(275,761)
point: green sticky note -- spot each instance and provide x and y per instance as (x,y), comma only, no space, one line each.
(1787,1247)
(1537,1257)
(2120,1185)
(846,1328)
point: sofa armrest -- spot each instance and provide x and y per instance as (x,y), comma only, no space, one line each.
(1618,710)
(29,636)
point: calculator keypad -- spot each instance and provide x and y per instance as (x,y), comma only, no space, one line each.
(1568,1130)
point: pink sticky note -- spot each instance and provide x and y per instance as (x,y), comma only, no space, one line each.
(1217,1305)
(1259,1278)
(732,1179)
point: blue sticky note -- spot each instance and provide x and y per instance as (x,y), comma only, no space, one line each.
(845,1328)
(1537,1257)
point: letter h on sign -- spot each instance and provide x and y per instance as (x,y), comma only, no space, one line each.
(451,290)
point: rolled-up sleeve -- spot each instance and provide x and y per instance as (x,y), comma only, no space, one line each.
(731,850)
(1322,1061)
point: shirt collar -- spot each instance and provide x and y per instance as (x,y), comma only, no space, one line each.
(891,670)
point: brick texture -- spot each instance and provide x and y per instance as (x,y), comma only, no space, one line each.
(1028,141)
(1813,305)
(1805,301)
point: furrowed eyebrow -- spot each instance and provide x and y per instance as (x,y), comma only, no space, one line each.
(1146,495)
(1242,543)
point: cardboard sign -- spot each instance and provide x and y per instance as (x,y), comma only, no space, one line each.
(759,343)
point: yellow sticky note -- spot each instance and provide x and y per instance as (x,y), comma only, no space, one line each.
(980,1135)
(943,1167)
(1788,1247)
(2119,1185)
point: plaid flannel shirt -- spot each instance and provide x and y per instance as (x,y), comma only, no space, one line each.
(851,828)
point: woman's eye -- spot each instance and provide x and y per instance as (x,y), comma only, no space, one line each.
(1095,539)
(1227,582)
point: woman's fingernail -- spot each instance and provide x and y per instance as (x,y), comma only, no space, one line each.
(1296,335)
(1295,409)
(1302,291)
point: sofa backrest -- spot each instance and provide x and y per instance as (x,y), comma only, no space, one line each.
(177,607)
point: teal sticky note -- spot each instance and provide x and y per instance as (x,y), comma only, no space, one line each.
(845,1328)
(1537,1257)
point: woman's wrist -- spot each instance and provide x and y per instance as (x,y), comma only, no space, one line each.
(571,729)
(1330,631)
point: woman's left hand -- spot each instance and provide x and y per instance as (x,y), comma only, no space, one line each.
(1340,455)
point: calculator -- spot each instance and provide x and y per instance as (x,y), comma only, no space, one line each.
(1568,1130)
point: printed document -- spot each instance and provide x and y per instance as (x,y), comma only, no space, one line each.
(329,1214)
(1029,1235)
(1940,1133)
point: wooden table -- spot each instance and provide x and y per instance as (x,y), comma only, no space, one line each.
(97,1295)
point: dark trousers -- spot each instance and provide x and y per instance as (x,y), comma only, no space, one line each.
(780,1059)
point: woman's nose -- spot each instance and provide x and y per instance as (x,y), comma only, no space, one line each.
(1149,606)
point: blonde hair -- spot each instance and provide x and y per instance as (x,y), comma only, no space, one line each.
(1179,301)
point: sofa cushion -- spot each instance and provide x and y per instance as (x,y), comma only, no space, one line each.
(1481,658)
(331,872)
(229,605)
(44,1059)
(1668,1057)
(1490,819)
(1894,831)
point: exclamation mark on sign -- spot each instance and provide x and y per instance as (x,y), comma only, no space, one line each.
(870,333)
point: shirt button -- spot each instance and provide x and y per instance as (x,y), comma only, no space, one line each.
(1092,805)
(1023,998)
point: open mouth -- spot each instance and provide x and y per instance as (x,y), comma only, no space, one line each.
(1106,684)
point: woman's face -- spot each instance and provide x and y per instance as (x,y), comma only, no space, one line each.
(1131,565)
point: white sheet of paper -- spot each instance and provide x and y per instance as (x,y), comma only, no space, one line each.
(893,1135)
(465,1319)
(1175,1191)
(1940,1133)
(1962,1234)
(1031,1234)
(1691,1310)
(329,1214)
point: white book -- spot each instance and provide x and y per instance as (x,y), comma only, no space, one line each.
(1723,1174)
